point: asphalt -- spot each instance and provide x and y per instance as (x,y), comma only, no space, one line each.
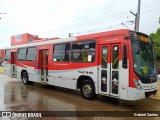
(15,96)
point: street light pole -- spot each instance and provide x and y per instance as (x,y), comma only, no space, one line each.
(124,25)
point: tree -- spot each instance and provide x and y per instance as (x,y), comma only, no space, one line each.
(156,40)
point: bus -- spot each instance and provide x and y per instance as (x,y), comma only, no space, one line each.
(119,63)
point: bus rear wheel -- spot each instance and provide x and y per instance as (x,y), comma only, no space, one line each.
(88,90)
(25,78)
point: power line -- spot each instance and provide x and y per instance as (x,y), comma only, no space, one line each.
(150,4)
(100,29)
(111,17)
(149,10)
(102,19)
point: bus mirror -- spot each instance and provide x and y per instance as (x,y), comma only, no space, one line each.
(126,37)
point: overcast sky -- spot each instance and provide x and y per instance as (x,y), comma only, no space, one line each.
(58,18)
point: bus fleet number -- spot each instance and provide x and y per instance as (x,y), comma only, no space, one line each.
(85,72)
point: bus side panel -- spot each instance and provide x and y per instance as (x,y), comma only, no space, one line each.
(34,77)
(124,72)
(68,78)
(123,82)
(7,68)
(135,94)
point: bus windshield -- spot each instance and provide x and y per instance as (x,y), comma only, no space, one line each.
(143,55)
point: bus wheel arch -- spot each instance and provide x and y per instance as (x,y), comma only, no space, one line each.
(87,87)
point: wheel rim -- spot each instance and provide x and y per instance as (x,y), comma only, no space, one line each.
(24,78)
(87,90)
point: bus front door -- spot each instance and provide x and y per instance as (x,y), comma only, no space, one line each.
(13,64)
(109,70)
(43,62)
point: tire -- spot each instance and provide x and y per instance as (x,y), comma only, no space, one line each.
(88,90)
(25,78)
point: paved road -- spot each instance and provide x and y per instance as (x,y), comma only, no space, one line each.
(14,96)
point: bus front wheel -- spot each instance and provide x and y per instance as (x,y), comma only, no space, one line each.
(88,90)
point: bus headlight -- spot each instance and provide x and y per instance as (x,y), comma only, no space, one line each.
(138,85)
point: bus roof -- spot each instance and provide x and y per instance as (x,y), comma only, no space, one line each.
(119,32)
(42,43)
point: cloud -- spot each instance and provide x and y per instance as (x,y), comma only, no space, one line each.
(49,18)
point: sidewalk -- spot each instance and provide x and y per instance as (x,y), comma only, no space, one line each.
(1,70)
(157,96)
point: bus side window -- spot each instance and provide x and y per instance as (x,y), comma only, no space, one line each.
(124,60)
(22,54)
(104,57)
(61,52)
(83,51)
(115,57)
(7,55)
(31,54)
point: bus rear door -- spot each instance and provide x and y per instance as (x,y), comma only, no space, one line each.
(109,69)
(43,65)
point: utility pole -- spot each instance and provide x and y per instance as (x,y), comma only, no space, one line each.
(137,16)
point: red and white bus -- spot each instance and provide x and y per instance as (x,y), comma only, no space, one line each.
(119,63)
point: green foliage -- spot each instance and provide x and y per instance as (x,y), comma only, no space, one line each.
(156,40)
